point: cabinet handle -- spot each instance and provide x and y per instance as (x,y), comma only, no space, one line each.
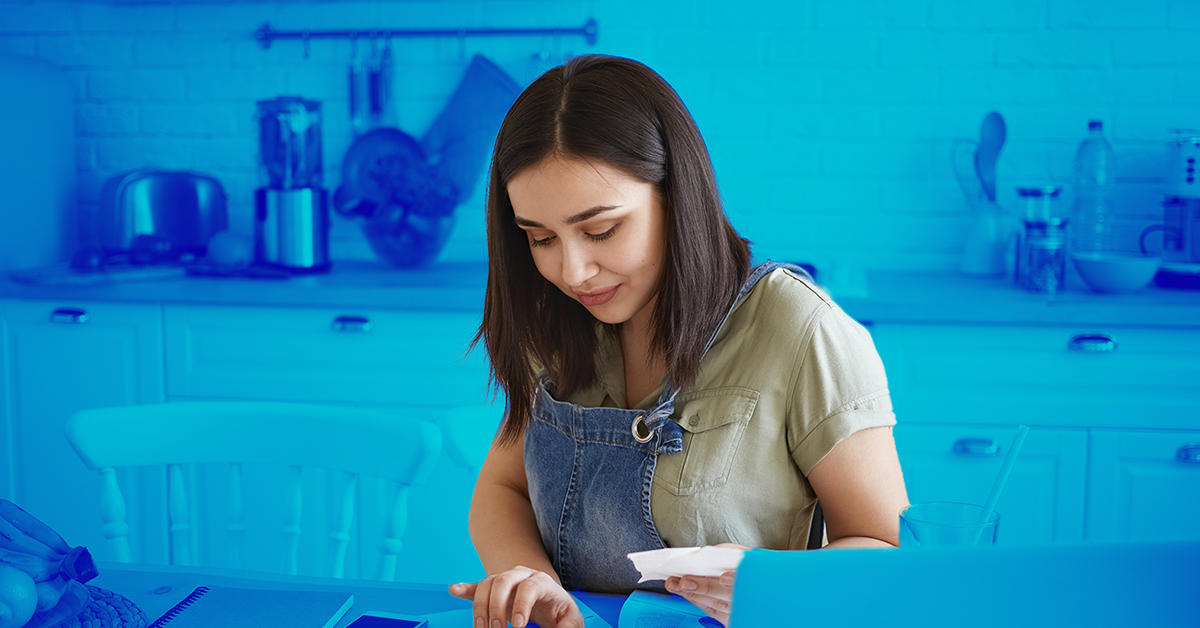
(353,324)
(1189,453)
(976,447)
(1093,343)
(69,316)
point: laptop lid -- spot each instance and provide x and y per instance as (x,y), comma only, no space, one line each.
(1094,584)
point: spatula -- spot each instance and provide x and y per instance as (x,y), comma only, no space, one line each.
(991,140)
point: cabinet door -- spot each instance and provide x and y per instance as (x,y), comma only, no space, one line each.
(64,357)
(1144,485)
(319,355)
(1050,376)
(1042,501)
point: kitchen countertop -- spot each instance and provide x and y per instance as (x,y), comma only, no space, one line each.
(883,297)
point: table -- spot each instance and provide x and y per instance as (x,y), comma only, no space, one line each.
(156,588)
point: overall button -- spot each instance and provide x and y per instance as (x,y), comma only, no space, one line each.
(641,433)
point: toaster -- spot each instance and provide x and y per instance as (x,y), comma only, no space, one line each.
(183,208)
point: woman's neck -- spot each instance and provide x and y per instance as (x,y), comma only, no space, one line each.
(644,368)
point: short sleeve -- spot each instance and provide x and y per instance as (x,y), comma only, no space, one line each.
(839,388)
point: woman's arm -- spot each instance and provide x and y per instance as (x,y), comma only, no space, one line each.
(861,490)
(521,583)
(502,524)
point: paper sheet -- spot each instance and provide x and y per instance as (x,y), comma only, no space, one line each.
(686,561)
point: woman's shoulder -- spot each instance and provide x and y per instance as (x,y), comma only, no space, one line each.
(789,293)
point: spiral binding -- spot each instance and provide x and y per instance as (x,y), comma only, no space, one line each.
(179,608)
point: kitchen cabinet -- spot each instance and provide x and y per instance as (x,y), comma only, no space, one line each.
(345,355)
(63,356)
(1043,500)
(1145,485)
(963,388)
(408,362)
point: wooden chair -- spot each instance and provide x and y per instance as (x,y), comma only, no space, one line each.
(352,440)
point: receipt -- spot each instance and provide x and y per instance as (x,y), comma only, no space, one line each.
(686,561)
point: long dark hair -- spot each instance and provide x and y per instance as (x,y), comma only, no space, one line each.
(622,113)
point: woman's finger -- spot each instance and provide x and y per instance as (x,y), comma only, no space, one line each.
(479,609)
(529,592)
(500,596)
(464,590)
(703,585)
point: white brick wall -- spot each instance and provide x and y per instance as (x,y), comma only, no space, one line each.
(830,121)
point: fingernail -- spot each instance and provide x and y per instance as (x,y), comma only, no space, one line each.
(496,623)
(479,622)
(672,586)
(689,585)
(518,620)
(727,580)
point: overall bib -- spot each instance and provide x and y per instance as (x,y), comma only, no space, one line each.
(590,472)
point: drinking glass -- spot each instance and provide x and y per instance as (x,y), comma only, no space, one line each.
(946,524)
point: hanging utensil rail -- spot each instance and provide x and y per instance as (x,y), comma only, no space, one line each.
(265,34)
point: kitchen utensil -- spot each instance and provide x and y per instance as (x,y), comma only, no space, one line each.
(1183,151)
(407,204)
(987,242)
(291,226)
(363,188)
(184,208)
(460,139)
(991,140)
(1041,255)
(381,85)
(1181,215)
(962,160)
(1116,272)
(359,76)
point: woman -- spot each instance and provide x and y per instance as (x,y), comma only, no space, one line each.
(660,391)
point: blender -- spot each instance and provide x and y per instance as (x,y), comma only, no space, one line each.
(291,228)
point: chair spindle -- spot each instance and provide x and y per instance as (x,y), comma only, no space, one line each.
(393,531)
(291,530)
(236,528)
(177,509)
(341,537)
(112,503)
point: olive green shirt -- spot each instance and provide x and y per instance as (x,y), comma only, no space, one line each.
(789,376)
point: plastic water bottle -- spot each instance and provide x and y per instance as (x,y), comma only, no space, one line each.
(1092,216)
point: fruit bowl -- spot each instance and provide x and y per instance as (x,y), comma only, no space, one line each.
(1116,272)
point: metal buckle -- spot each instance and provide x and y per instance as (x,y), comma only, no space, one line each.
(641,433)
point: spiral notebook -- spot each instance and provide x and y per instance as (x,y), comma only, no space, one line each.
(212,607)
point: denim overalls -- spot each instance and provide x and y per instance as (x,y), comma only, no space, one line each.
(590,472)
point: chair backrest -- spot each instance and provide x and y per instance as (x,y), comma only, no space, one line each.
(353,440)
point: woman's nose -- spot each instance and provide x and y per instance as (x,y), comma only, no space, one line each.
(577,265)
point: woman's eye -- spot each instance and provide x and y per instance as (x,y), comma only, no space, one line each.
(600,237)
(534,242)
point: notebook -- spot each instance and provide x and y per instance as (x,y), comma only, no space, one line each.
(212,607)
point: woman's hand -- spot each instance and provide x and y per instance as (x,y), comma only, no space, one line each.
(712,595)
(517,596)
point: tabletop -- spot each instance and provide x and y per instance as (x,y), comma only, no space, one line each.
(157,588)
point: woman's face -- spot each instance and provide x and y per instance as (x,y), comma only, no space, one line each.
(595,232)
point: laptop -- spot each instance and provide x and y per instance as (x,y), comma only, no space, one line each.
(1133,584)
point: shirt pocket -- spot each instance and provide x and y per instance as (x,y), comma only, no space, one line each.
(713,423)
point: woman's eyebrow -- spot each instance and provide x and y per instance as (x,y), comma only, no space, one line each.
(577,218)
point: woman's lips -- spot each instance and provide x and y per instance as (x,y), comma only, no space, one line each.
(599,297)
